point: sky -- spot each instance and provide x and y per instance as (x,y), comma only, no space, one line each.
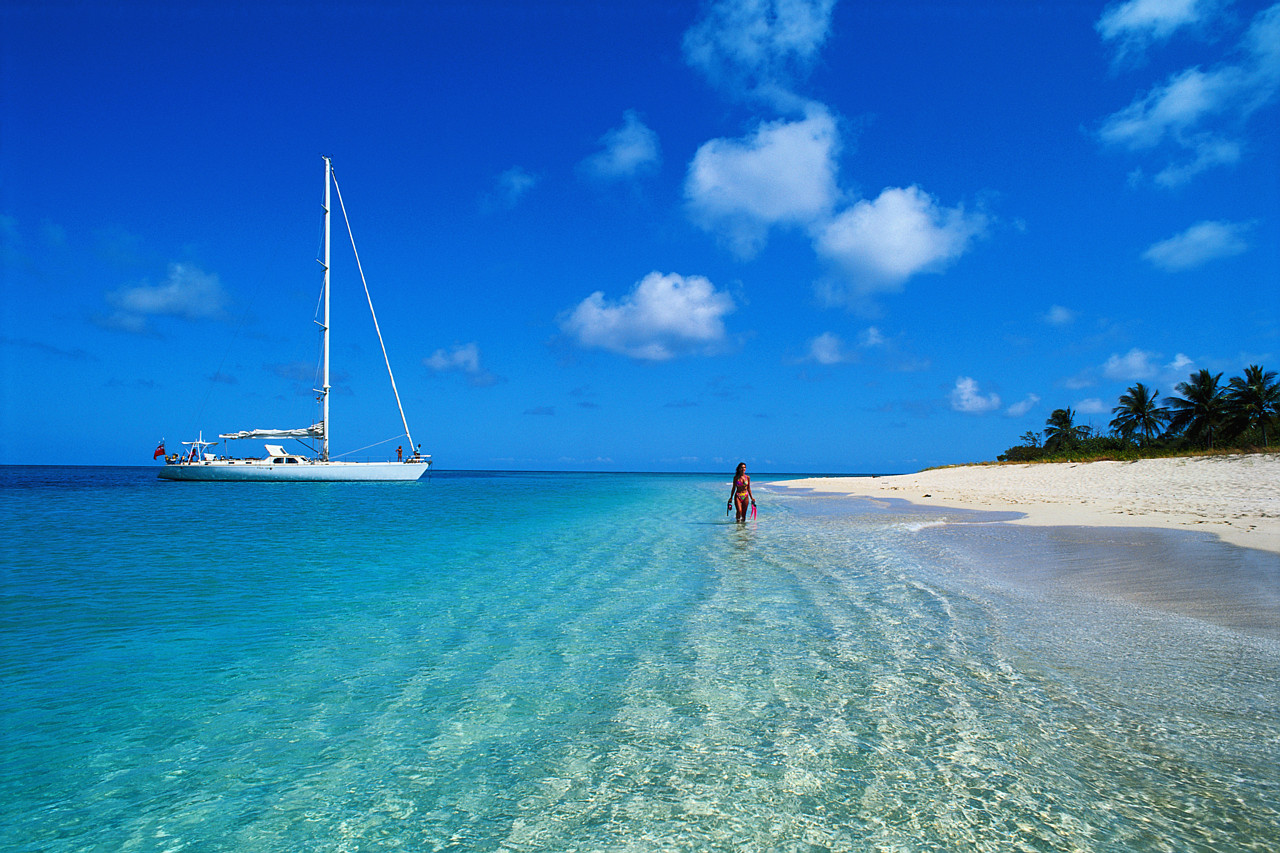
(834,236)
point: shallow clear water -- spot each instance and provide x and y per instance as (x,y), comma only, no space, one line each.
(602,662)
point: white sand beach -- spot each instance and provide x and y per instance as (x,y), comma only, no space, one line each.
(1235,497)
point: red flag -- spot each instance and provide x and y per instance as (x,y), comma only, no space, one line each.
(159,450)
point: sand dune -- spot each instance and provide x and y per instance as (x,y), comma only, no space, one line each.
(1235,497)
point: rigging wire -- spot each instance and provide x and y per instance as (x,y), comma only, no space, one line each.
(376,328)
(376,443)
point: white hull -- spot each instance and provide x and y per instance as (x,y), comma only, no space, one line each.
(256,470)
(279,466)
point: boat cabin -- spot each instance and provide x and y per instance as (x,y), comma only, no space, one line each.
(277,456)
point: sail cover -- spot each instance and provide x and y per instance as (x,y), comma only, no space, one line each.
(313,431)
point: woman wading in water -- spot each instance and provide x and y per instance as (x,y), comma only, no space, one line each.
(741,495)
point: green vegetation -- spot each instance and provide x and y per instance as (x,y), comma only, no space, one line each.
(1204,416)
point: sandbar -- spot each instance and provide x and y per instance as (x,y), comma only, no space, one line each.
(1236,498)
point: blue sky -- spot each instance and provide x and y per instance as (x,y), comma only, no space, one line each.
(814,236)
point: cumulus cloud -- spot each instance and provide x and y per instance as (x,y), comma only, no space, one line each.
(1199,244)
(662,317)
(1133,366)
(626,151)
(1020,408)
(782,174)
(828,348)
(187,292)
(758,47)
(1092,406)
(1197,114)
(1139,365)
(464,359)
(904,231)
(966,397)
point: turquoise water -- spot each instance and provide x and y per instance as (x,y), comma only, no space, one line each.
(601,662)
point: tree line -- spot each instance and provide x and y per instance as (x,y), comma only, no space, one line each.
(1205,413)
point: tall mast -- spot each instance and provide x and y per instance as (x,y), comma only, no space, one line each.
(324,329)
(374,314)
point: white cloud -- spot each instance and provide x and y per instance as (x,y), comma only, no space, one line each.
(1262,43)
(1208,151)
(827,348)
(1092,406)
(830,348)
(1197,112)
(1199,244)
(966,397)
(1138,23)
(783,174)
(513,184)
(871,337)
(1171,110)
(1059,316)
(1157,19)
(1133,366)
(626,151)
(663,316)
(758,46)
(882,243)
(462,358)
(187,292)
(1019,409)
(1083,379)
(1139,365)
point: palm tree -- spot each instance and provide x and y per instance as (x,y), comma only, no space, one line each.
(1061,432)
(1139,413)
(1201,408)
(1254,399)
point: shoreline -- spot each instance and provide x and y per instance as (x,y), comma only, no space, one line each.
(1236,498)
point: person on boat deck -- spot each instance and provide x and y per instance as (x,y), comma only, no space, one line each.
(740,494)
(400,453)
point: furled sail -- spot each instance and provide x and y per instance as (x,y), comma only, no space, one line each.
(313,431)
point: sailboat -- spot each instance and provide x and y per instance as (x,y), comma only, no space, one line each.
(279,465)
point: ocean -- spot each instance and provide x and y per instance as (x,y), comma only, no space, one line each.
(492,661)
